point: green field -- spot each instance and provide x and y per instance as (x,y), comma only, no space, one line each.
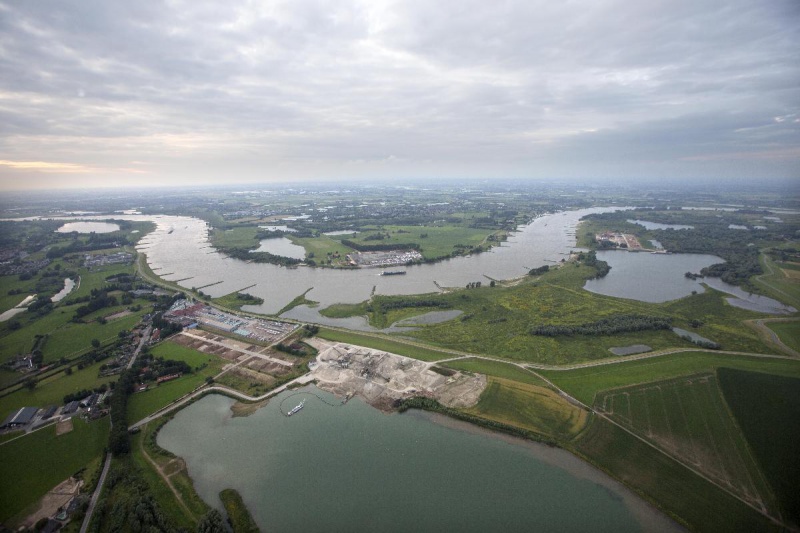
(662,480)
(381,343)
(321,246)
(34,464)
(497,369)
(585,383)
(51,391)
(688,419)
(237,237)
(530,407)
(144,403)
(440,241)
(767,408)
(788,332)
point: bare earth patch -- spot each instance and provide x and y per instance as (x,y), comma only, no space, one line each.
(65,426)
(59,496)
(380,377)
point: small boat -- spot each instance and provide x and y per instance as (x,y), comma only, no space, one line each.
(296,408)
(393,273)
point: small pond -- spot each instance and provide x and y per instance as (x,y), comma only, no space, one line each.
(657,225)
(680,332)
(287,229)
(88,227)
(649,277)
(69,284)
(341,232)
(283,247)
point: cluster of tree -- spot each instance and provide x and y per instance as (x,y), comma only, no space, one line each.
(380,247)
(377,237)
(130,505)
(590,259)
(703,343)
(95,242)
(474,285)
(382,305)
(83,393)
(98,299)
(259,257)
(167,328)
(41,305)
(606,326)
(293,349)
(539,271)
(157,368)
(248,297)
(309,330)
(119,441)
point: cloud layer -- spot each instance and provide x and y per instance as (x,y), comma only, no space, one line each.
(167,92)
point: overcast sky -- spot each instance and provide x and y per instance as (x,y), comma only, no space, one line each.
(99,92)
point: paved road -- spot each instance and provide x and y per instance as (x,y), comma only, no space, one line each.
(180,402)
(144,339)
(96,495)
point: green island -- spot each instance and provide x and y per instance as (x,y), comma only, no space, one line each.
(701,429)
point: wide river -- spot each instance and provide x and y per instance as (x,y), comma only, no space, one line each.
(353,468)
(179,250)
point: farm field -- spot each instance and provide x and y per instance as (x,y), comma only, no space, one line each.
(585,383)
(661,479)
(767,409)
(35,463)
(530,407)
(688,419)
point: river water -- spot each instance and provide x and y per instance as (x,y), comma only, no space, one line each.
(353,468)
(179,250)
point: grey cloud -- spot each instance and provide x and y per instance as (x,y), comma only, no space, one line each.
(435,84)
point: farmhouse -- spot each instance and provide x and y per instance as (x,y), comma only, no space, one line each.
(19,418)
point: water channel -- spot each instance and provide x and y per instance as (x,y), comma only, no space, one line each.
(353,468)
(88,227)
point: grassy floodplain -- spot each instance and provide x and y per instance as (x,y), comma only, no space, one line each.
(33,464)
(497,320)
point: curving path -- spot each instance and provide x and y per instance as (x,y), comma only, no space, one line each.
(769,336)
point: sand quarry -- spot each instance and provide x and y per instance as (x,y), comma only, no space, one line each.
(380,377)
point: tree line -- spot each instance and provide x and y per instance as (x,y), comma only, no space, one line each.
(606,326)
